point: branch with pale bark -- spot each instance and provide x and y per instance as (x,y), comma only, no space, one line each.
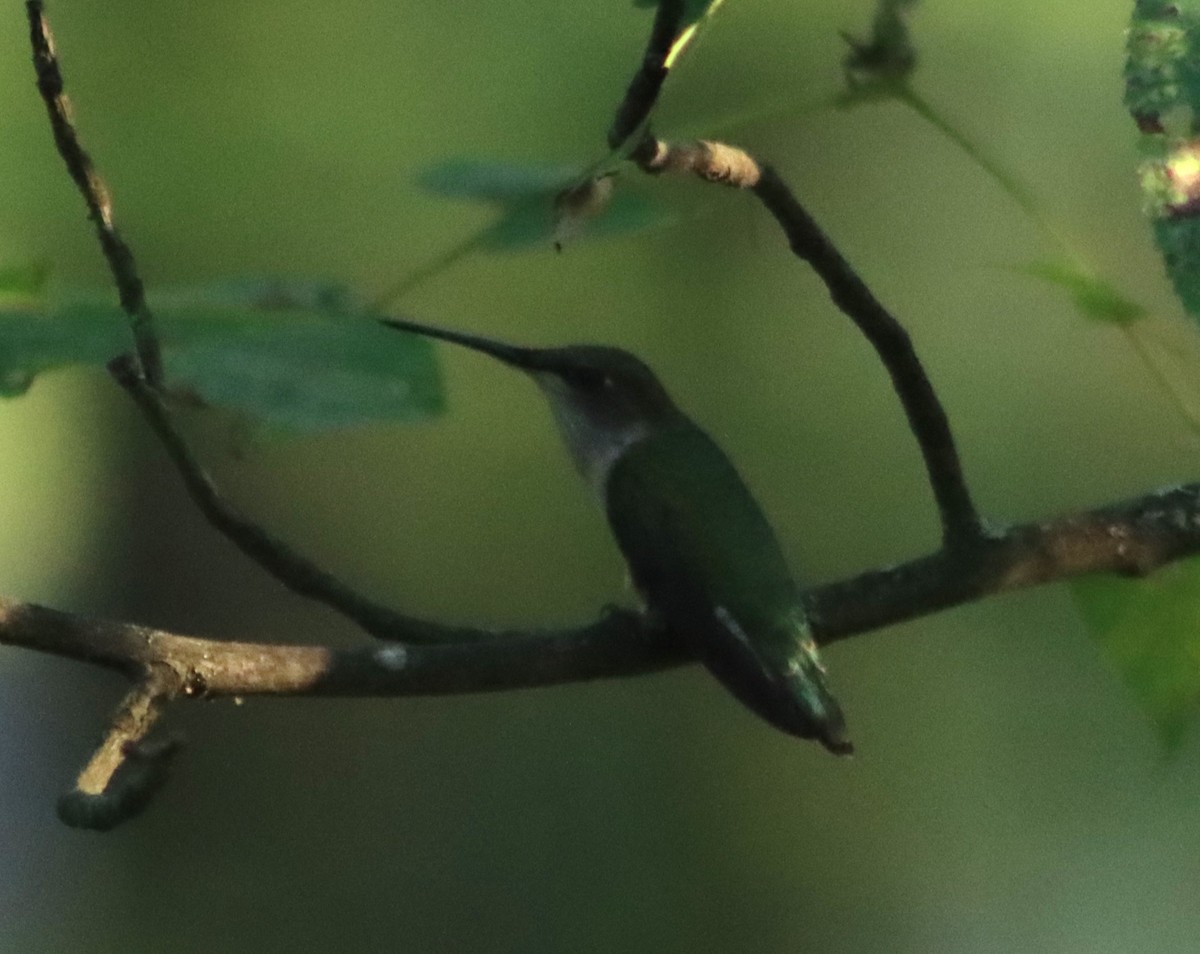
(420,657)
(1132,538)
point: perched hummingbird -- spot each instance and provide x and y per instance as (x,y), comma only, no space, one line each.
(700,551)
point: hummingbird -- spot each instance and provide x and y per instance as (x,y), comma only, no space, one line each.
(700,551)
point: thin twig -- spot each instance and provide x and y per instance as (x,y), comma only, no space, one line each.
(142,382)
(729,165)
(95,193)
(643,90)
(926,416)
(125,771)
(297,573)
(711,161)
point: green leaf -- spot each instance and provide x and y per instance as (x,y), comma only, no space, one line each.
(297,356)
(26,281)
(535,225)
(1179,242)
(35,341)
(528,197)
(1094,298)
(1162,93)
(1162,66)
(488,181)
(1149,630)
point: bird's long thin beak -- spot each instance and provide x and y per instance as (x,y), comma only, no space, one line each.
(528,359)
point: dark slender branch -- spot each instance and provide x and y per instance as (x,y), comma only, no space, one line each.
(1132,538)
(142,382)
(926,416)
(643,90)
(95,193)
(717,162)
(297,573)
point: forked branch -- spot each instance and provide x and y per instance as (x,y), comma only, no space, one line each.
(1131,538)
(423,658)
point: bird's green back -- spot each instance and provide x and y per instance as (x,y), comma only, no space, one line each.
(695,538)
(709,566)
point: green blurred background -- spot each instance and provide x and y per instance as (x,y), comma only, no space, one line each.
(1007,795)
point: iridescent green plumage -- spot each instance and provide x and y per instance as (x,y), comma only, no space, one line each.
(700,551)
(706,560)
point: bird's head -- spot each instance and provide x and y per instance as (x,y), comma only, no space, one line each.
(604,399)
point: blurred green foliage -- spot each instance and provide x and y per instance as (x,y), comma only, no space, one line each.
(1093,297)
(1162,93)
(1006,795)
(527,199)
(300,357)
(1150,630)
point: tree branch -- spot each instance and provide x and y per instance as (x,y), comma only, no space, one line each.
(729,165)
(126,771)
(1132,538)
(142,381)
(95,193)
(926,416)
(642,92)
(619,643)
(296,572)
